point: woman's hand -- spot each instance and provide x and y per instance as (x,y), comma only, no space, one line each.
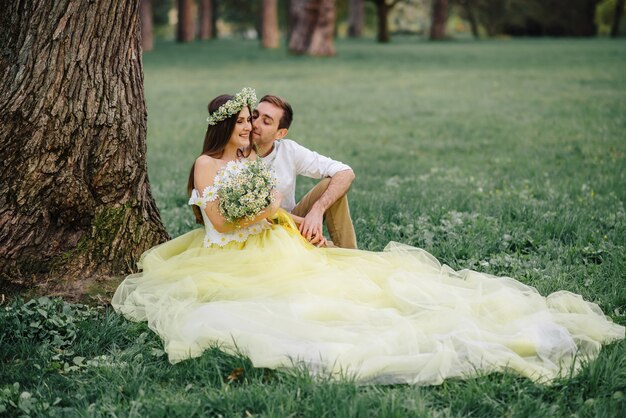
(273,207)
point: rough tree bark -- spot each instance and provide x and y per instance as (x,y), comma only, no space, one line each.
(205,20)
(440,17)
(75,202)
(269,26)
(617,17)
(185,29)
(356,18)
(313,26)
(147,42)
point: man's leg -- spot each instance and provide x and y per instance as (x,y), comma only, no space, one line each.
(337,217)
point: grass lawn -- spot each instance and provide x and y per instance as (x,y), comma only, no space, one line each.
(507,157)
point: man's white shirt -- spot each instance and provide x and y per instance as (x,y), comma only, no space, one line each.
(288,159)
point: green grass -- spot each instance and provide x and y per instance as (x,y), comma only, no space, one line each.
(508,157)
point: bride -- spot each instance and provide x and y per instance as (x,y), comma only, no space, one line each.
(397,316)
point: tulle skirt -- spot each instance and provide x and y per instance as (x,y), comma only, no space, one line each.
(396,316)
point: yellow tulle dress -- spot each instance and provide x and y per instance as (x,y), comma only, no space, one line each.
(396,316)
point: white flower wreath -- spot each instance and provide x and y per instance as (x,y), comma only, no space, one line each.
(247,96)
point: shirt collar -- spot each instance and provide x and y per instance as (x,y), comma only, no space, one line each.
(269,158)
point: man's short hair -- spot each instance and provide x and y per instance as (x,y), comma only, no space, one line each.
(285,120)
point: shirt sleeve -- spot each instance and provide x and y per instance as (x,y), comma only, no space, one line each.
(311,164)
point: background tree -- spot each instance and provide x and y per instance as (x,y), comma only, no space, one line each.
(468,12)
(537,17)
(214,17)
(205,20)
(617,17)
(439,20)
(186,26)
(356,18)
(147,43)
(243,16)
(383,7)
(574,18)
(288,21)
(160,11)
(491,15)
(269,26)
(75,201)
(313,27)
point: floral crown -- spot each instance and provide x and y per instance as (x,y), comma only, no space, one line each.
(247,96)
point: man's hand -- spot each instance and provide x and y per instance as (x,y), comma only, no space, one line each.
(311,227)
(323,242)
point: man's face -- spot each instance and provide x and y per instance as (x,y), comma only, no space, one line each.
(265,123)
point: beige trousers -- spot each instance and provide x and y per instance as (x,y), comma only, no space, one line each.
(337,217)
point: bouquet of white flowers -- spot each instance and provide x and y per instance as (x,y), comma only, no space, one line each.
(244,189)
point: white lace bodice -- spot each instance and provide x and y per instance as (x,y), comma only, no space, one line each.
(211,235)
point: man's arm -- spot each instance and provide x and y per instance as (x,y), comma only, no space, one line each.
(312,225)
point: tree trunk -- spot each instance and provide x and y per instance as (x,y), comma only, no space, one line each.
(382,11)
(290,19)
(440,17)
(322,39)
(591,13)
(587,24)
(471,17)
(185,21)
(269,27)
(356,18)
(75,202)
(313,23)
(214,16)
(617,17)
(147,43)
(205,20)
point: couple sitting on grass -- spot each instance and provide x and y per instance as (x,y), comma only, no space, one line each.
(260,278)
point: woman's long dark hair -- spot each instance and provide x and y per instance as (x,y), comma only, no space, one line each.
(215,140)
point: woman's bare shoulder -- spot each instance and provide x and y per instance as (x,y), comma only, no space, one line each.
(206,161)
(205,170)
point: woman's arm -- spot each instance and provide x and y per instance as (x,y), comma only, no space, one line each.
(205,170)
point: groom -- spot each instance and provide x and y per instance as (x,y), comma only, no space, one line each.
(327,201)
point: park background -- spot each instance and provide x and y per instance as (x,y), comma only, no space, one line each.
(504,154)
